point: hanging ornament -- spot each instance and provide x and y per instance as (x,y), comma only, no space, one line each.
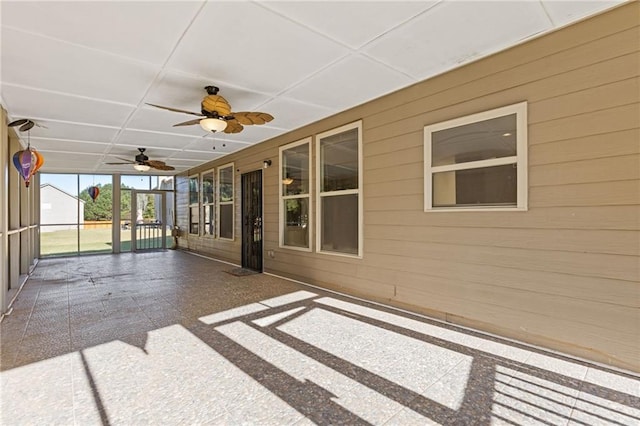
(94,191)
(39,161)
(25,163)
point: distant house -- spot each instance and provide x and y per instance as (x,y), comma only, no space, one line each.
(165,185)
(59,210)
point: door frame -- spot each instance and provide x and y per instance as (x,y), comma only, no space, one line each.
(163,214)
(244,224)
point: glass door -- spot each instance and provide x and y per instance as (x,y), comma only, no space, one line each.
(148,220)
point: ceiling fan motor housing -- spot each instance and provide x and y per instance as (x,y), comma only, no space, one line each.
(141,158)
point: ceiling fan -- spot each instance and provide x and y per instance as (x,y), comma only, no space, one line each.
(216,114)
(25,124)
(142,162)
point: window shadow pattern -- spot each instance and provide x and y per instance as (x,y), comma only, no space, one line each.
(331,359)
(498,389)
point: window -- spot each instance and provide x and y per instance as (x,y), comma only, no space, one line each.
(225,202)
(295,212)
(194,207)
(339,187)
(208,203)
(478,162)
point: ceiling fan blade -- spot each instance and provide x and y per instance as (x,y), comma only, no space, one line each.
(233,126)
(188,123)
(176,110)
(216,104)
(19,122)
(27,126)
(160,165)
(125,159)
(248,118)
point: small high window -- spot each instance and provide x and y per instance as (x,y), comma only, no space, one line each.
(477,162)
(225,202)
(295,209)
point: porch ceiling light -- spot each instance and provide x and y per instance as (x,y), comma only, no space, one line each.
(213,124)
(141,167)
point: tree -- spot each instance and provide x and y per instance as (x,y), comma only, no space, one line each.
(102,207)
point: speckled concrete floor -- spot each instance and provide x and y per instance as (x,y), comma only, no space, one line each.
(172,338)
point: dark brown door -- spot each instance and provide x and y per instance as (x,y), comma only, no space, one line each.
(252,220)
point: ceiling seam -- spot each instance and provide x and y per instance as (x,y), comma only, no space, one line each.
(49,120)
(352,51)
(546,12)
(300,24)
(406,21)
(71,95)
(44,138)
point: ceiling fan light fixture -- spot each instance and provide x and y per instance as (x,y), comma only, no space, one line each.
(141,167)
(213,124)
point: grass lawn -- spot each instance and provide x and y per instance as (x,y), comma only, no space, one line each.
(94,240)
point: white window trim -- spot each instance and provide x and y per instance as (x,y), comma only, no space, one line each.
(520,159)
(281,197)
(359,191)
(232,202)
(212,203)
(192,205)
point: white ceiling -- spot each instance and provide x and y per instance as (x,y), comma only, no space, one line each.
(86,69)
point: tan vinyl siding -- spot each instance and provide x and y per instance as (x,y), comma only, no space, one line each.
(566,273)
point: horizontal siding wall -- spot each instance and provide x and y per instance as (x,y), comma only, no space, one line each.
(565,274)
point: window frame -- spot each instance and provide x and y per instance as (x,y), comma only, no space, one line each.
(282,198)
(221,203)
(520,159)
(212,203)
(320,195)
(194,205)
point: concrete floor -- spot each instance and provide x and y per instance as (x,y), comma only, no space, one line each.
(171,338)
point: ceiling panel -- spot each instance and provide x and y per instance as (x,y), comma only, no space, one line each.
(145,31)
(140,138)
(188,163)
(201,156)
(452,33)
(25,102)
(350,82)
(255,134)
(178,90)
(153,153)
(72,131)
(44,63)
(216,147)
(62,145)
(86,69)
(291,114)
(258,50)
(158,120)
(348,21)
(60,161)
